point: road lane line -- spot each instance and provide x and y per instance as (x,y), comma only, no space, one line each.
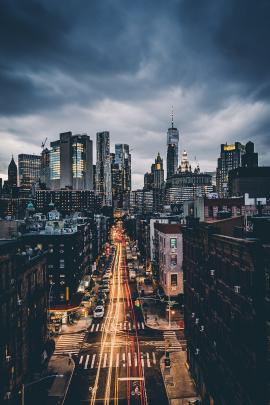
(81,359)
(97,328)
(105,359)
(123,356)
(92,328)
(129,326)
(86,362)
(93,360)
(148,360)
(154,358)
(142,360)
(129,359)
(142,325)
(139,326)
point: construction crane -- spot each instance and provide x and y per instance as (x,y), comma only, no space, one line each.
(44,143)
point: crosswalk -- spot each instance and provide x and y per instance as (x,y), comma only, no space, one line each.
(69,343)
(122,326)
(119,359)
(170,343)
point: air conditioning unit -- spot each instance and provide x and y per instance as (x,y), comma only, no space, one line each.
(8,358)
(237,289)
(212,273)
(202,328)
(19,301)
(197,321)
(197,351)
(193,315)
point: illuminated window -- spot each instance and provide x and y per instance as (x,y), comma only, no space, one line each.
(173,243)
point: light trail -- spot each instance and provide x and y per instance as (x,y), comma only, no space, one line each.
(105,332)
(116,321)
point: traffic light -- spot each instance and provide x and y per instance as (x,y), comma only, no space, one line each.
(137,303)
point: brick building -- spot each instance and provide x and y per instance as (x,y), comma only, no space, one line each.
(227,313)
(23,316)
(169,249)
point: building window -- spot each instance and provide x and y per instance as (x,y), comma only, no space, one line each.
(173,260)
(174,280)
(173,243)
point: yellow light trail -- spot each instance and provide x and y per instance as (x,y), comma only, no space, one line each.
(106,328)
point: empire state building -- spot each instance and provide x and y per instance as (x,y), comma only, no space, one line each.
(172,150)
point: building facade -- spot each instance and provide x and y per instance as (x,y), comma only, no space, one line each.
(29,170)
(230,158)
(226,295)
(71,162)
(103,168)
(170,257)
(172,150)
(66,201)
(23,316)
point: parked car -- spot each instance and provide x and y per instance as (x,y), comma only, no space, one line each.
(99,312)
(100,302)
(105,289)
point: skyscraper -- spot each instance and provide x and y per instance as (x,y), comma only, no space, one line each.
(230,158)
(45,167)
(103,168)
(12,174)
(158,172)
(29,170)
(123,160)
(71,162)
(172,150)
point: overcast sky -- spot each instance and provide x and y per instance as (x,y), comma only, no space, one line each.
(94,65)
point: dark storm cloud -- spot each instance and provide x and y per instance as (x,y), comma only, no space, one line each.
(102,44)
(209,58)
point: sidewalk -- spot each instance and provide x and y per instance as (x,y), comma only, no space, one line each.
(80,326)
(179,385)
(154,316)
(61,365)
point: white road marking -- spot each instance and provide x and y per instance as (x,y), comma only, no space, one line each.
(86,362)
(124,356)
(142,325)
(81,359)
(129,359)
(93,360)
(147,359)
(92,328)
(97,328)
(142,360)
(154,358)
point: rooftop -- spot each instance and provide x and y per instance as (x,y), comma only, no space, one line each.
(168,228)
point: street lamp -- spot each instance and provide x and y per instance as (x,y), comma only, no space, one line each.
(36,382)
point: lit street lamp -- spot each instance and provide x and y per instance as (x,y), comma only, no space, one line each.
(36,382)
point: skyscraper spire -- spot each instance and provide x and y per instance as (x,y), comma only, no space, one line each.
(172,116)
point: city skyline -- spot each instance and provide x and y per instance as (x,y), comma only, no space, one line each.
(63,70)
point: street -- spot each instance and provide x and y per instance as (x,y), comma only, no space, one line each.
(119,359)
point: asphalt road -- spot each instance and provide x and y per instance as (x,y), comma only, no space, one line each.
(119,362)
